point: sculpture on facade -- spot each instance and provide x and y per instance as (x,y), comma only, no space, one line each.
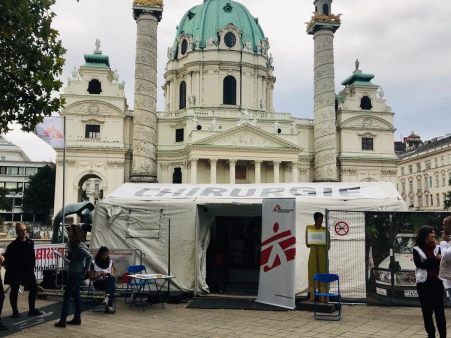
(357,64)
(294,128)
(148,3)
(75,73)
(212,126)
(97,44)
(276,127)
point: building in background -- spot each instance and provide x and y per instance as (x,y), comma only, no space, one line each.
(15,170)
(424,172)
(219,124)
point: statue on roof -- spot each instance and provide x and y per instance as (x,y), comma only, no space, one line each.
(148,3)
(357,64)
(97,44)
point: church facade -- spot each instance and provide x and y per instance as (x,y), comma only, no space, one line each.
(219,124)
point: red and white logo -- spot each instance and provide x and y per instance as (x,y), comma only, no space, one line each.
(279,245)
(277,208)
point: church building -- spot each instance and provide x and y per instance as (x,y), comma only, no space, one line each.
(219,124)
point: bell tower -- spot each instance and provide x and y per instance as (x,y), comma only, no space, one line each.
(322,26)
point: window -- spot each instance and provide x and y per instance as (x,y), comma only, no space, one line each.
(367,143)
(326,9)
(430,181)
(184,47)
(177,176)
(31,171)
(229,90)
(432,200)
(437,196)
(12,170)
(436,162)
(240,172)
(365,103)
(437,182)
(403,184)
(2,170)
(420,201)
(402,171)
(410,186)
(442,159)
(428,164)
(443,180)
(419,184)
(425,183)
(2,158)
(410,169)
(418,167)
(182,95)
(179,135)
(230,40)
(94,87)
(92,131)
(426,200)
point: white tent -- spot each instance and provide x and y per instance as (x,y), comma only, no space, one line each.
(137,216)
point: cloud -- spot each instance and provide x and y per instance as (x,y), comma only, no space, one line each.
(404,43)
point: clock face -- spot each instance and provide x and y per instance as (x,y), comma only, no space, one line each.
(184,47)
(230,40)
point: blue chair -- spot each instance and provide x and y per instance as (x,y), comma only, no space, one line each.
(327,279)
(136,286)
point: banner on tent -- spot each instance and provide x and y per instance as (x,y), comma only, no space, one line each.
(278,253)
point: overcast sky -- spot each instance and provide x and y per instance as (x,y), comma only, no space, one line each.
(406,44)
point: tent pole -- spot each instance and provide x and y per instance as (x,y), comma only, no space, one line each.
(64,182)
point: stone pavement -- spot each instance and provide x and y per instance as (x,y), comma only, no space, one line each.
(178,321)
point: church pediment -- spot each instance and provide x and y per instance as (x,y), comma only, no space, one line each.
(92,109)
(247,136)
(367,123)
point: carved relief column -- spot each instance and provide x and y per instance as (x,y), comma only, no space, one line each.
(258,171)
(193,171)
(144,163)
(232,164)
(322,27)
(276,171)
(294,172)
(213,164)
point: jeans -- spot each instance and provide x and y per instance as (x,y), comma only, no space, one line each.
(72,289)
(431,295)
(109,285)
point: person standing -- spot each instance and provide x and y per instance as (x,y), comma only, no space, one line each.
(426,256)
(317,261)
(19,263)
(79,260)
(445,248)
(3,327)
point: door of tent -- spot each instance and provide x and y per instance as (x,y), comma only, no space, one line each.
(228,248)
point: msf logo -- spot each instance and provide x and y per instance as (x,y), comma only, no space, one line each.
(277,209)
(280,246)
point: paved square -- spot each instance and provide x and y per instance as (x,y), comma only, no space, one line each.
(178,321)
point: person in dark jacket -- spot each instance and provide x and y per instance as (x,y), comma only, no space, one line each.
(19,263)
(426,256)
(79,260)
(2,297)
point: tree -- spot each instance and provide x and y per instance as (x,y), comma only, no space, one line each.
(31,62)
(40,194)
(447,201)
(5,203)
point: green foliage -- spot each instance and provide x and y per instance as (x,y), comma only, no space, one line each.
(447,201)
(5,203)
(31,62)
(39,196)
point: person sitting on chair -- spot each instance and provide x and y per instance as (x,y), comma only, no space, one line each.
(101,273)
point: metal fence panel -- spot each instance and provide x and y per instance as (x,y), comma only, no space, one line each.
(347,252)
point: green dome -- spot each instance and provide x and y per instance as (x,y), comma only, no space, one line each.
(203,22)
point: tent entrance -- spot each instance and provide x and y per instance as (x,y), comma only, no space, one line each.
(233,254)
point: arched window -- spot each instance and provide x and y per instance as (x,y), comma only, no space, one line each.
(94,87)
(326,9)
(229,90)
(177,176)
(182,98)
(365,103)
(184,46)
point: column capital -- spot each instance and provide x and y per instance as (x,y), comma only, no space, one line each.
(258,161)
(232,161)
(213,160)
(193,159)
(277,162)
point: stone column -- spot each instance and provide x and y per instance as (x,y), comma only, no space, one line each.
(276,171)
(213,164)
(144,160)
(232,164)
(193,171)
(258,171)
(325,133)
(294,172)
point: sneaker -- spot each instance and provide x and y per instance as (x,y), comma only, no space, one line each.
(60,324)
(74,322)
(3,327)
(35,313)
(15,315)
(105,301)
